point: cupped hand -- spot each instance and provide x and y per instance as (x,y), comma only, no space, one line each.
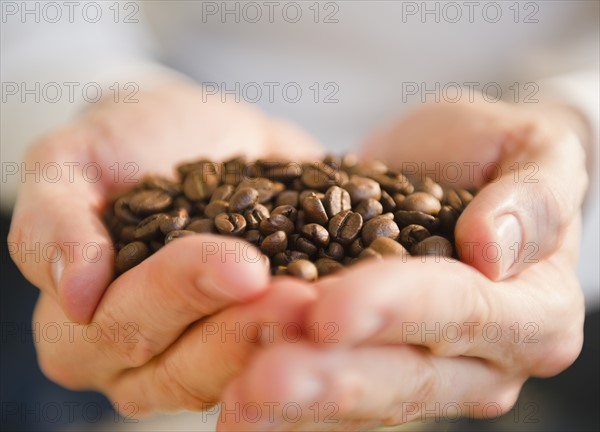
(424,337)
(149,316)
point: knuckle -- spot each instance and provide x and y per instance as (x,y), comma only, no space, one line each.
(506,398)
(56,371)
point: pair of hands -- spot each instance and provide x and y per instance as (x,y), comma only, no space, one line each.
(186,329)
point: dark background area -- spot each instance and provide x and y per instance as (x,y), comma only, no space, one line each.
(30,402)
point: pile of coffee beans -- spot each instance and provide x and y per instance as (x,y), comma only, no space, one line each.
(309,219)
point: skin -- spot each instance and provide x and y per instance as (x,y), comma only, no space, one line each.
(376,371)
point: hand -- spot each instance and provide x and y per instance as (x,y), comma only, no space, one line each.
(416,337)
(147,318)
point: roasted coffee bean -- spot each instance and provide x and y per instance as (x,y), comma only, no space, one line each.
(274,243)
(256,215)
(303,269)
(182,202)
(310,192)
(347,261)
(127,233)
(327,266)
(433,246)
(422,202)
(380,226)
(317,234)
(398,198)
(387,202)
(146,202)
(413,234)
(336,200)
(344,227)
(199,185)
(223,193)
(334,251)
(287,197)
(304,245)
(300,220)
(367,168)
(288,256)
(202,226)
(314,210)
(448,217)
(428,185)
(233,224)
(163,184)
(124,213)
(279,170)
(242,199)
(386,246)
(178,234)
(362,188)
(149,228)
(370,253)
(253,236)
(319,176)
(453,200)
(263,186)
(204,167)
(288,211)
(215,208)
(280,271)
(356,247)
(404,218)
(276,223)
(465,196)
(393,183)
(175,220)
(156,245)
(369,208)
(131,255)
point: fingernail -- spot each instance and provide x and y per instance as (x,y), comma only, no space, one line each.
(57,269)
(510,238)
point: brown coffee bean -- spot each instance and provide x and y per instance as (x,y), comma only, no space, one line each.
(127,233)
(274,243)
(369,208)
(255,216)
(465,196)
(453,200)
(182,202)
(336,200)
(242,199)
(422,202)
(404,218)
(314,210)
(327,266)
(287,197)
(387,202)
(131,255)
(276,223)
(413,234)
(124,213)
(199,185)
(386,246)
(223,193)
(288,211)
(310,192)
(303,269)
(146,202)
(304,245)
(175,220)
(316,234)
(232,224)
(393,183)
(149,228)
(356,247)
(344,227)
(173,235)
(215,208)
(263,186)
(379,226)
(202,226)
(370,253)
(433,246)
(163,184)
(253,236)
(428,185)
(300,220)
(334,251)
(288,256)
(319,176)
(448,217)
(362,188)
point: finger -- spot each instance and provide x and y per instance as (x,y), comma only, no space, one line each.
(453,310)
(362,387)
(193,372)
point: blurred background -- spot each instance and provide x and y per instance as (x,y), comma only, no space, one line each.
(340,70)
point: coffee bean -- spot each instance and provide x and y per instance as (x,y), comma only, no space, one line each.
(182,202)
(255,216)
(131,255)
(223,193)
(413,234)
(263,186)
(362,188)
(288,256)
(334,251)
(370,253)
(422,202)
(356,247)
(310,192)
(303,245)
(428,185)
(369,208)
(448,217)
(242,199)
(336,200)
(288,211)
(287,197)
(202,226)
(316,234)
(314,210)
(387,202)
(173,235)
(276,223)
(404,218)
(215,208)
(393,183)
(379,226)
(165,185)
(344,227)
(433,246)
(146,202)
(386,246)
(123,212)
(175,220)
(232,224)
(199,185)
(303,269)
(327,266)
(319,176)
(253,236)
(149,228)
(274,243)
